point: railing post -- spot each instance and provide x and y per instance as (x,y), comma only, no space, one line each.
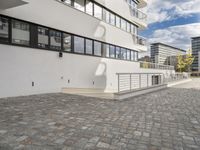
(118,83)
(140,80)
(130,83)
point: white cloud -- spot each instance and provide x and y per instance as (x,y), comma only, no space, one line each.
(179,36)
(163,10)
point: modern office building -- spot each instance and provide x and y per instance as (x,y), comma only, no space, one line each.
(196,53)
(160,53)
(53,44)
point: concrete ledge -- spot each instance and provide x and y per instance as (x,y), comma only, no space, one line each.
(178,82)
(134,93)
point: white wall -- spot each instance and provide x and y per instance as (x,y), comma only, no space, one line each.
(22,66)
(59,16)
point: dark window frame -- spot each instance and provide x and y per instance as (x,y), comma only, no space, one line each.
(33,44)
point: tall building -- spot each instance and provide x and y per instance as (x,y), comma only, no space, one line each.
(53,44)
(160,53)
(196,53)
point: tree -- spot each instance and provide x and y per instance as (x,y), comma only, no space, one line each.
(184,63)
(189,60)
(180,63)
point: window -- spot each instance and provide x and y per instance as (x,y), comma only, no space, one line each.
(118,53)
(112,19)
(97,48)
(67,42)
(136,56)
(123,54)
(89,7)
(118,24)
(89,46)
(79,4)
(68,2)
(106,50)
(132,56)
(128,29)
(112,51)
(43,37)
(55,40)
(128,54)
(78,44)
(97,11)
(4,29)
(123,24)
(106,16)
(20,33)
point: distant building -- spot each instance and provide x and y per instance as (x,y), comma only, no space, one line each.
(161,52)
(145,58)
(173,61)
(196,53)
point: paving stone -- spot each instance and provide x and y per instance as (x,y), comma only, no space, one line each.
(164,120)
(103,145)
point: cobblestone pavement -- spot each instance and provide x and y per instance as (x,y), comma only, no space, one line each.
(165,120)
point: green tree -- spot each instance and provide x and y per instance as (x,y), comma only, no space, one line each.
(188,61)
(184,63)
(180,63)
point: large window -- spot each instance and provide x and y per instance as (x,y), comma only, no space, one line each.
(43,37)
(132,56)
(123,24)
(97,48)
(20,33)
(55,40)
(4,29)
(112,19)
(112,51)
(128,28)
(118,52)
(118,23)
(128,54)
(89,7)
(78,44)
(88,46)
(79,4)
(106,49)
(98,11)
(106,16)
(123,54)
(67,42)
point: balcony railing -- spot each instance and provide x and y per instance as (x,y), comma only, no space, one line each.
(137,13)
(148,65)
(140,40)
(136,81)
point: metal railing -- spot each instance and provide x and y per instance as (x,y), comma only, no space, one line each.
(148,65)
(140,40)
(137,13)
(176,77)
(135,81)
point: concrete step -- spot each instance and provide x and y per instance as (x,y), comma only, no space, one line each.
(99,93)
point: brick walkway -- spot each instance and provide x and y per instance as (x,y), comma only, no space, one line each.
(166,120)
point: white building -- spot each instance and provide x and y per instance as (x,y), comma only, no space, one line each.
(47,45)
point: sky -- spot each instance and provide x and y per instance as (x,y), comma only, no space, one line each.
(172,22)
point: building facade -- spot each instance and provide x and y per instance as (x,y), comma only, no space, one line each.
(53,44)
(196,53)
(160,53)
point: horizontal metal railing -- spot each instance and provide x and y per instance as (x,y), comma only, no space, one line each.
(176,77)
(148,65)
(135,81)
(137,13)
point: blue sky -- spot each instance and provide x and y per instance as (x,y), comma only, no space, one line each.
(172,22)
